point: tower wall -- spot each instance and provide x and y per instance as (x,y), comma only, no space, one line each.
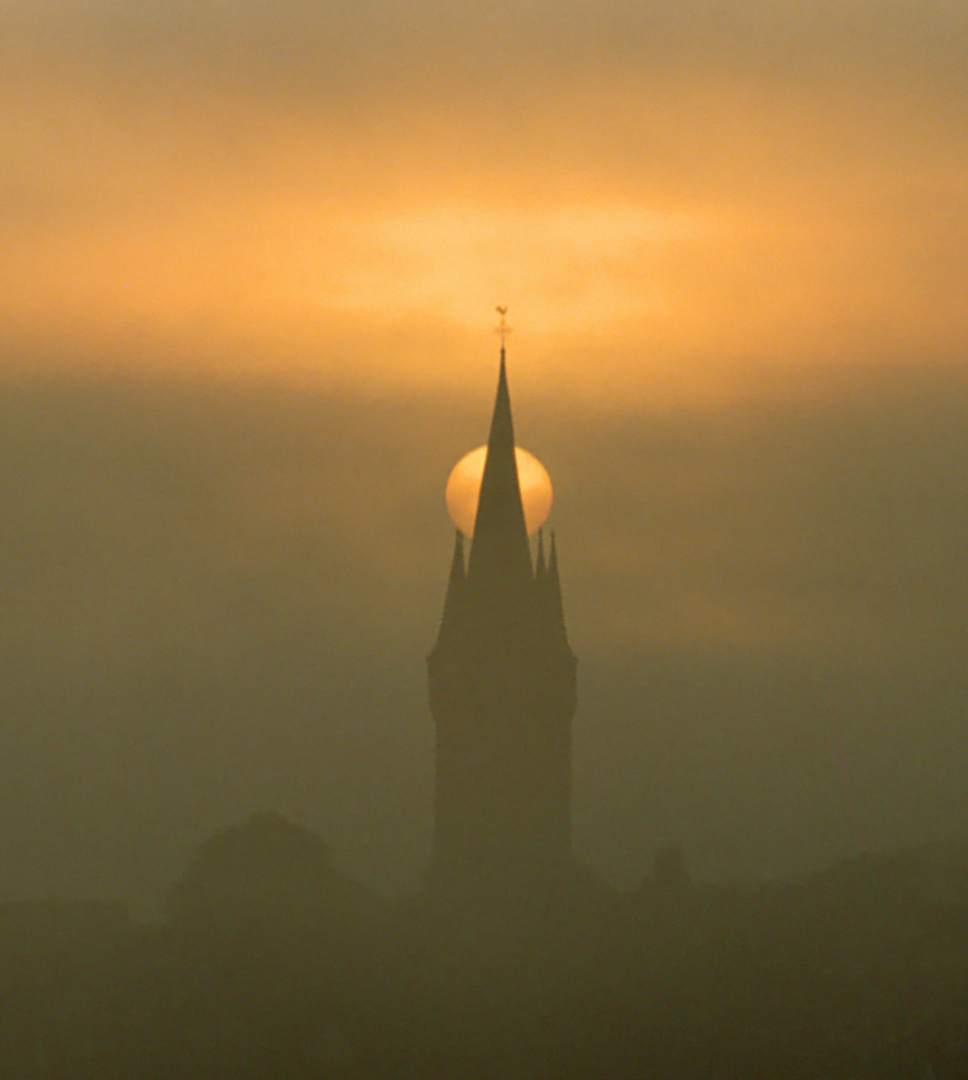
(503,719)
(502,692)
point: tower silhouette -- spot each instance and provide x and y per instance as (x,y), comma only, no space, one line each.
(502,692)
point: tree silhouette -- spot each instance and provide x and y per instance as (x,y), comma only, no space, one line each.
(267,940)
(263,874)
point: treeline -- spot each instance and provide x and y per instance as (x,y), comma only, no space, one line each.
(270,965)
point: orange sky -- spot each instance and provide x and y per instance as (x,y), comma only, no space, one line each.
(668,202)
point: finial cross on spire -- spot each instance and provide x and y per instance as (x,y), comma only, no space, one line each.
(502,328)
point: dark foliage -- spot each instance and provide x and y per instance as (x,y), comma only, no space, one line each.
(272,966)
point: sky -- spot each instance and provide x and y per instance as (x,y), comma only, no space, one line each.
(250,258)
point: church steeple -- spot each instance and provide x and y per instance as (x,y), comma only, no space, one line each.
(500,551)
(502,693)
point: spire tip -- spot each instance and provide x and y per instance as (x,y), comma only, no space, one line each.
(502,328)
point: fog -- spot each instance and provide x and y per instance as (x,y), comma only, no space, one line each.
(219,597)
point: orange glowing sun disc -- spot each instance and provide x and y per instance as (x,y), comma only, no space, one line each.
(464,489)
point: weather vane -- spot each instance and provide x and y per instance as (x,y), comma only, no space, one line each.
(502,328)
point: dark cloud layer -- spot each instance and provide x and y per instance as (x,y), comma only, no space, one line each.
(218,597)
(301,45)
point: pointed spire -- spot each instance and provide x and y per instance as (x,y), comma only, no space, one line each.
(540,566)
(556,609)
(500,550)
(457,563)
(453,603)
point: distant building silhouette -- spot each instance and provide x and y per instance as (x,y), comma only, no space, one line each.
(502,693)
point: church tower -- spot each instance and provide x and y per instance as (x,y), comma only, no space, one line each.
(502,693)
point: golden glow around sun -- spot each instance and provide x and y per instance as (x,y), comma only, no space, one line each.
(464,489)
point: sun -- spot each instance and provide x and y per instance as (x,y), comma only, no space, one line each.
(464,489)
